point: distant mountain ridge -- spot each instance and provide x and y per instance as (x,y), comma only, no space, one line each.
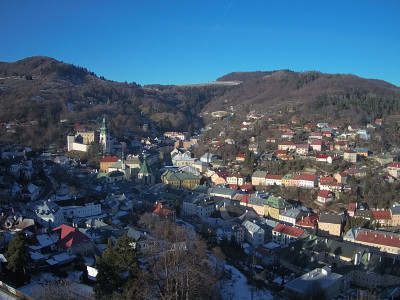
(336,95)
(45,90)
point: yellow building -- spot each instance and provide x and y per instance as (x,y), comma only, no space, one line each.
(180,179)
(107,162)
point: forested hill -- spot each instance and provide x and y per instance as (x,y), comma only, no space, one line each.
(328,95)
(43,91)
(46,91)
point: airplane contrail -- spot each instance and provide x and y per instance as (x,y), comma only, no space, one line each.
(223,16)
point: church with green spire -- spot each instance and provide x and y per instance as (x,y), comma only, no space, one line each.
(145,175)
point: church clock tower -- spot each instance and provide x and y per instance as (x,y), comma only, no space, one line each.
(105,137)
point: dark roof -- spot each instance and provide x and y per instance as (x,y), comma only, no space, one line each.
(333,219)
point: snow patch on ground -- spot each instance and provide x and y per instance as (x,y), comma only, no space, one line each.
(237,287)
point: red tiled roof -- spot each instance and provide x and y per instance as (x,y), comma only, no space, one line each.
(395,165)
(308,177)
(315,134)
(159,210)
(309,221)
(288,230)
(324,193)
(295,177)
(274,177)
(246,187)
(280,151)
(302,146)
(109,159)
(245,199)
(233,186)
(325,179)
(316,143)
(381,214)
(287,144)
(241,156)
(375,237)
(321,156)
(222,174)
(70,236)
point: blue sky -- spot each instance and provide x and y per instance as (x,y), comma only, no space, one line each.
(180,42)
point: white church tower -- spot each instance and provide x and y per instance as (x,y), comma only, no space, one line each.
(105,140)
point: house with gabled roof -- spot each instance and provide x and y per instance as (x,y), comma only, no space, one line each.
(162,211)
(294,180)
(395,213)
(240,157)
(331,186)
(222,192)
(291,216)
(73,241)
(341,177)
(273,179)
(273,206)
(287,135)
(382,217)
(253,233)
(281,153)
(107,162)
(351,209)
(361,151)
(325,196)
(271,140)
(329,224)
(340,145)
(287,146)
(350,156)
(46,213)
(317,145)
(308,180)
(385,241)
(286,179)
(284,234)
(257,203)
(315,136)
(180,179)
(394,169)
(235,179)
(302,149)
(308,222)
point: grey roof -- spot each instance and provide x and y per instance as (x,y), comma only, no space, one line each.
(250,226)
(395,210)
(352,233)
(291,213)
(255,200)
(222,191)
(259,174)
(327,218)
(303,283)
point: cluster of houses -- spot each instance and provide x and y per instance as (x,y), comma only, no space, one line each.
(64,226)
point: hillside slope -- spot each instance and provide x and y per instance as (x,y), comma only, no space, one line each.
(336,95)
